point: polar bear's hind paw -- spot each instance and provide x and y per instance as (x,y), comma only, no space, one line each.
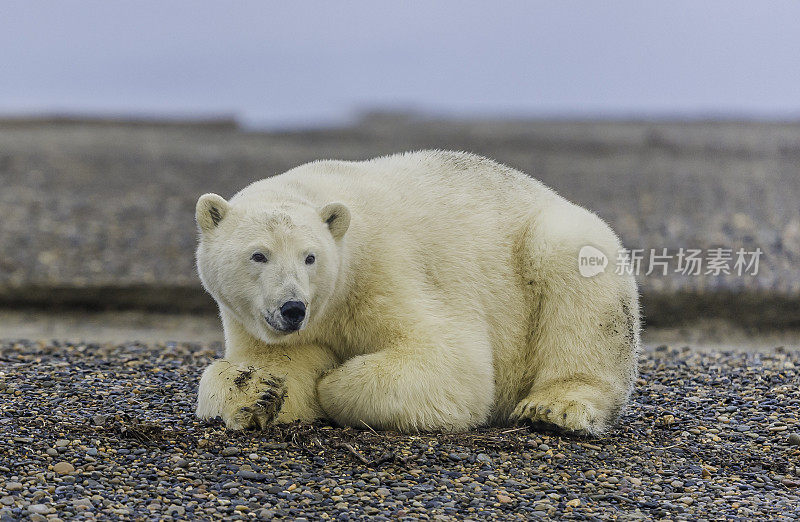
(571,416)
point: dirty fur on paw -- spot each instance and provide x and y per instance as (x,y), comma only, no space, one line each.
(570,416)
(258,398)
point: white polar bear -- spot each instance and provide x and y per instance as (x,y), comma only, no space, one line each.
(421,291)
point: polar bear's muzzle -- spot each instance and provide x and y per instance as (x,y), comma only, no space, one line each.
(290,317)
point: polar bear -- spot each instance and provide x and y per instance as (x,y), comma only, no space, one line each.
(414,292)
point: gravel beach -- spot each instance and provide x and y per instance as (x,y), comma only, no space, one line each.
(107,431)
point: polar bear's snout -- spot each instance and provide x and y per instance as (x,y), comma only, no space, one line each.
(293,313)
(288,317)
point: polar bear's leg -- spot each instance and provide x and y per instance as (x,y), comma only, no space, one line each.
(257,384)
(443,384)
(585,329)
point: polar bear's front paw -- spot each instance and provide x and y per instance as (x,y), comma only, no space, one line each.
(257,404)
(570,415)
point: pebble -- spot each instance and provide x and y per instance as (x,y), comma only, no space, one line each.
(63,468)
(794,439)
(40,509)
(13,486)
(251,475)
(174,510)
(230,451)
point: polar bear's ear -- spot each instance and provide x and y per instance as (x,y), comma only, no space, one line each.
(337,217)
(210,210)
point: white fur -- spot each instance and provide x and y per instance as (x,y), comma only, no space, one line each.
(445,295)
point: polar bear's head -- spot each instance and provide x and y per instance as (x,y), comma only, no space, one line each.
(273,269)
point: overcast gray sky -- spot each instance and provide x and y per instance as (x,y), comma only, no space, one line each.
(301,63)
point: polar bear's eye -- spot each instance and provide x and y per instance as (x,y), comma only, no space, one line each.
(258,257)
(310,258)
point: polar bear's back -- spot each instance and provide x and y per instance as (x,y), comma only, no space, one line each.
(460,178)
(447,187)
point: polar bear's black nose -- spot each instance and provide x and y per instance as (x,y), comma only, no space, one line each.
(293,312)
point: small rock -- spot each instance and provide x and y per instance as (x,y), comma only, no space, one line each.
(13,486)
(62,443)
(251,475)
(483,457)
(503,499)
(575,502)
(63,468)
(384,492)
(666,420)
(39,509)
(99,420)
(794,439)
(230,451)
